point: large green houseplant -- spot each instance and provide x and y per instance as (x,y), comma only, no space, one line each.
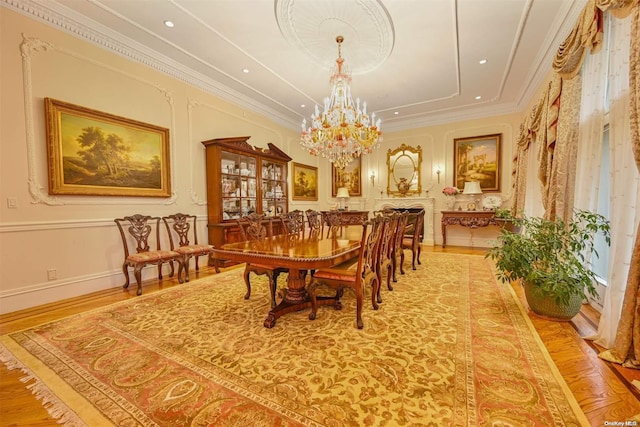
(551,258)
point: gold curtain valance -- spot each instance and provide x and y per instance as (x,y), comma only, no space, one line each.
(586,34)
(618,8)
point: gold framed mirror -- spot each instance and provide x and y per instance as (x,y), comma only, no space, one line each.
(403,171)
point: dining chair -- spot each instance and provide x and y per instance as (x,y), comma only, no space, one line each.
(385,251)
(314,221)
(252,228)
(183,238)
(139,234)
(333,220)
(293,222)
(397,250)
(356,273)
(412,241)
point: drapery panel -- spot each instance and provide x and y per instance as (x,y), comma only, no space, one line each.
(626,346)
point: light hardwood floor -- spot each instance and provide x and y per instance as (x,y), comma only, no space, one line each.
(603,390)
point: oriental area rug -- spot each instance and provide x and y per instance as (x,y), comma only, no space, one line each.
(449,346)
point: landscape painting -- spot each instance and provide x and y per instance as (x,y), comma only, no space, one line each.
(477,159)
(348,177)
(93,153)
(305,182)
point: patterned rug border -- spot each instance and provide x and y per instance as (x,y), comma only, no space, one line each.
(552,365)
(41,380)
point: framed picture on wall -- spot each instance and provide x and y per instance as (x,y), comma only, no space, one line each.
(92,153)
(477,159)
(305,182)
(349,177)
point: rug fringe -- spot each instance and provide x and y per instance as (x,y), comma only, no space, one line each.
(56,408)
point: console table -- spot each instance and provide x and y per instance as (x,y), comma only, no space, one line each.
(349,217)
(470,219)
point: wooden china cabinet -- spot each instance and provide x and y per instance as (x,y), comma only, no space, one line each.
(242,179)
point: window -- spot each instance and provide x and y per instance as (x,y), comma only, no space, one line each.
(601,263)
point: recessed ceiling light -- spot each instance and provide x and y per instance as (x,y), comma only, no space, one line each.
(396,113)
(302,105)
(245,70)
(483,61)
(478,97)
(169,24)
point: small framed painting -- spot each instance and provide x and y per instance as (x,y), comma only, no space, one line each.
(477,159)
(348,177)
(305,182)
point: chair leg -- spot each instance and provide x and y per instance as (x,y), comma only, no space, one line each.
(359,304)
(414,256)
(125,269)
(376,290)
(248,283)
(137,272)
(419,251)
(160,270)
(185,267)
(311,290)
(394,266)
(401,261)
(273,284)
(375,286)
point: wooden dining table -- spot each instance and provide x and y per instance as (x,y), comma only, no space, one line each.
(299,253)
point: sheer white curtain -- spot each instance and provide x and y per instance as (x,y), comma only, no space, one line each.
(590,132)
(625,181)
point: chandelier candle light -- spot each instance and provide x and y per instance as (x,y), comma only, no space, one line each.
(343,131)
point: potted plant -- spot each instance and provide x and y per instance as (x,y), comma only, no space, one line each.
(551,259)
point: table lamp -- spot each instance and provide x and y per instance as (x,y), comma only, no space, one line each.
(472,188)
(343,194)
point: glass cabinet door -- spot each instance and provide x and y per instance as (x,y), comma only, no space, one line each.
(274,188)
(239,185)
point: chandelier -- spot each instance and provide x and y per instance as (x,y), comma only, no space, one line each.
(343,131)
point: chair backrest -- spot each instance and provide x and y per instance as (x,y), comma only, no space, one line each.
(181,229)
(388,235)
(333,220)
(293,222)
(417,227)
(139,233)
(399,234)
(369,246)
(314,219)
(252,227)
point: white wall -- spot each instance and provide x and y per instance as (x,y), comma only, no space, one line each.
(75,235)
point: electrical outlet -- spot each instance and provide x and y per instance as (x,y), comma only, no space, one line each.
(12,203)
(52,274)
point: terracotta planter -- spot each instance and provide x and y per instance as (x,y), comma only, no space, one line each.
(545,306)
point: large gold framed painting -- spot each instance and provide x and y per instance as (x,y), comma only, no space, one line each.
(92,153)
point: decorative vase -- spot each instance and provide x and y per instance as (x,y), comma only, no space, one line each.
(450,201)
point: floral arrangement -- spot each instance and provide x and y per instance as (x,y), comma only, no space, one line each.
(450,191)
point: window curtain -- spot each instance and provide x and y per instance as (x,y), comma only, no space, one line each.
(619,328)
(594,78)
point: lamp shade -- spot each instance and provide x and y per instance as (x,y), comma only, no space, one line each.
(472,187)
(343,192)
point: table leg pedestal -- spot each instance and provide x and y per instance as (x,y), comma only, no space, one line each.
(295,298)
